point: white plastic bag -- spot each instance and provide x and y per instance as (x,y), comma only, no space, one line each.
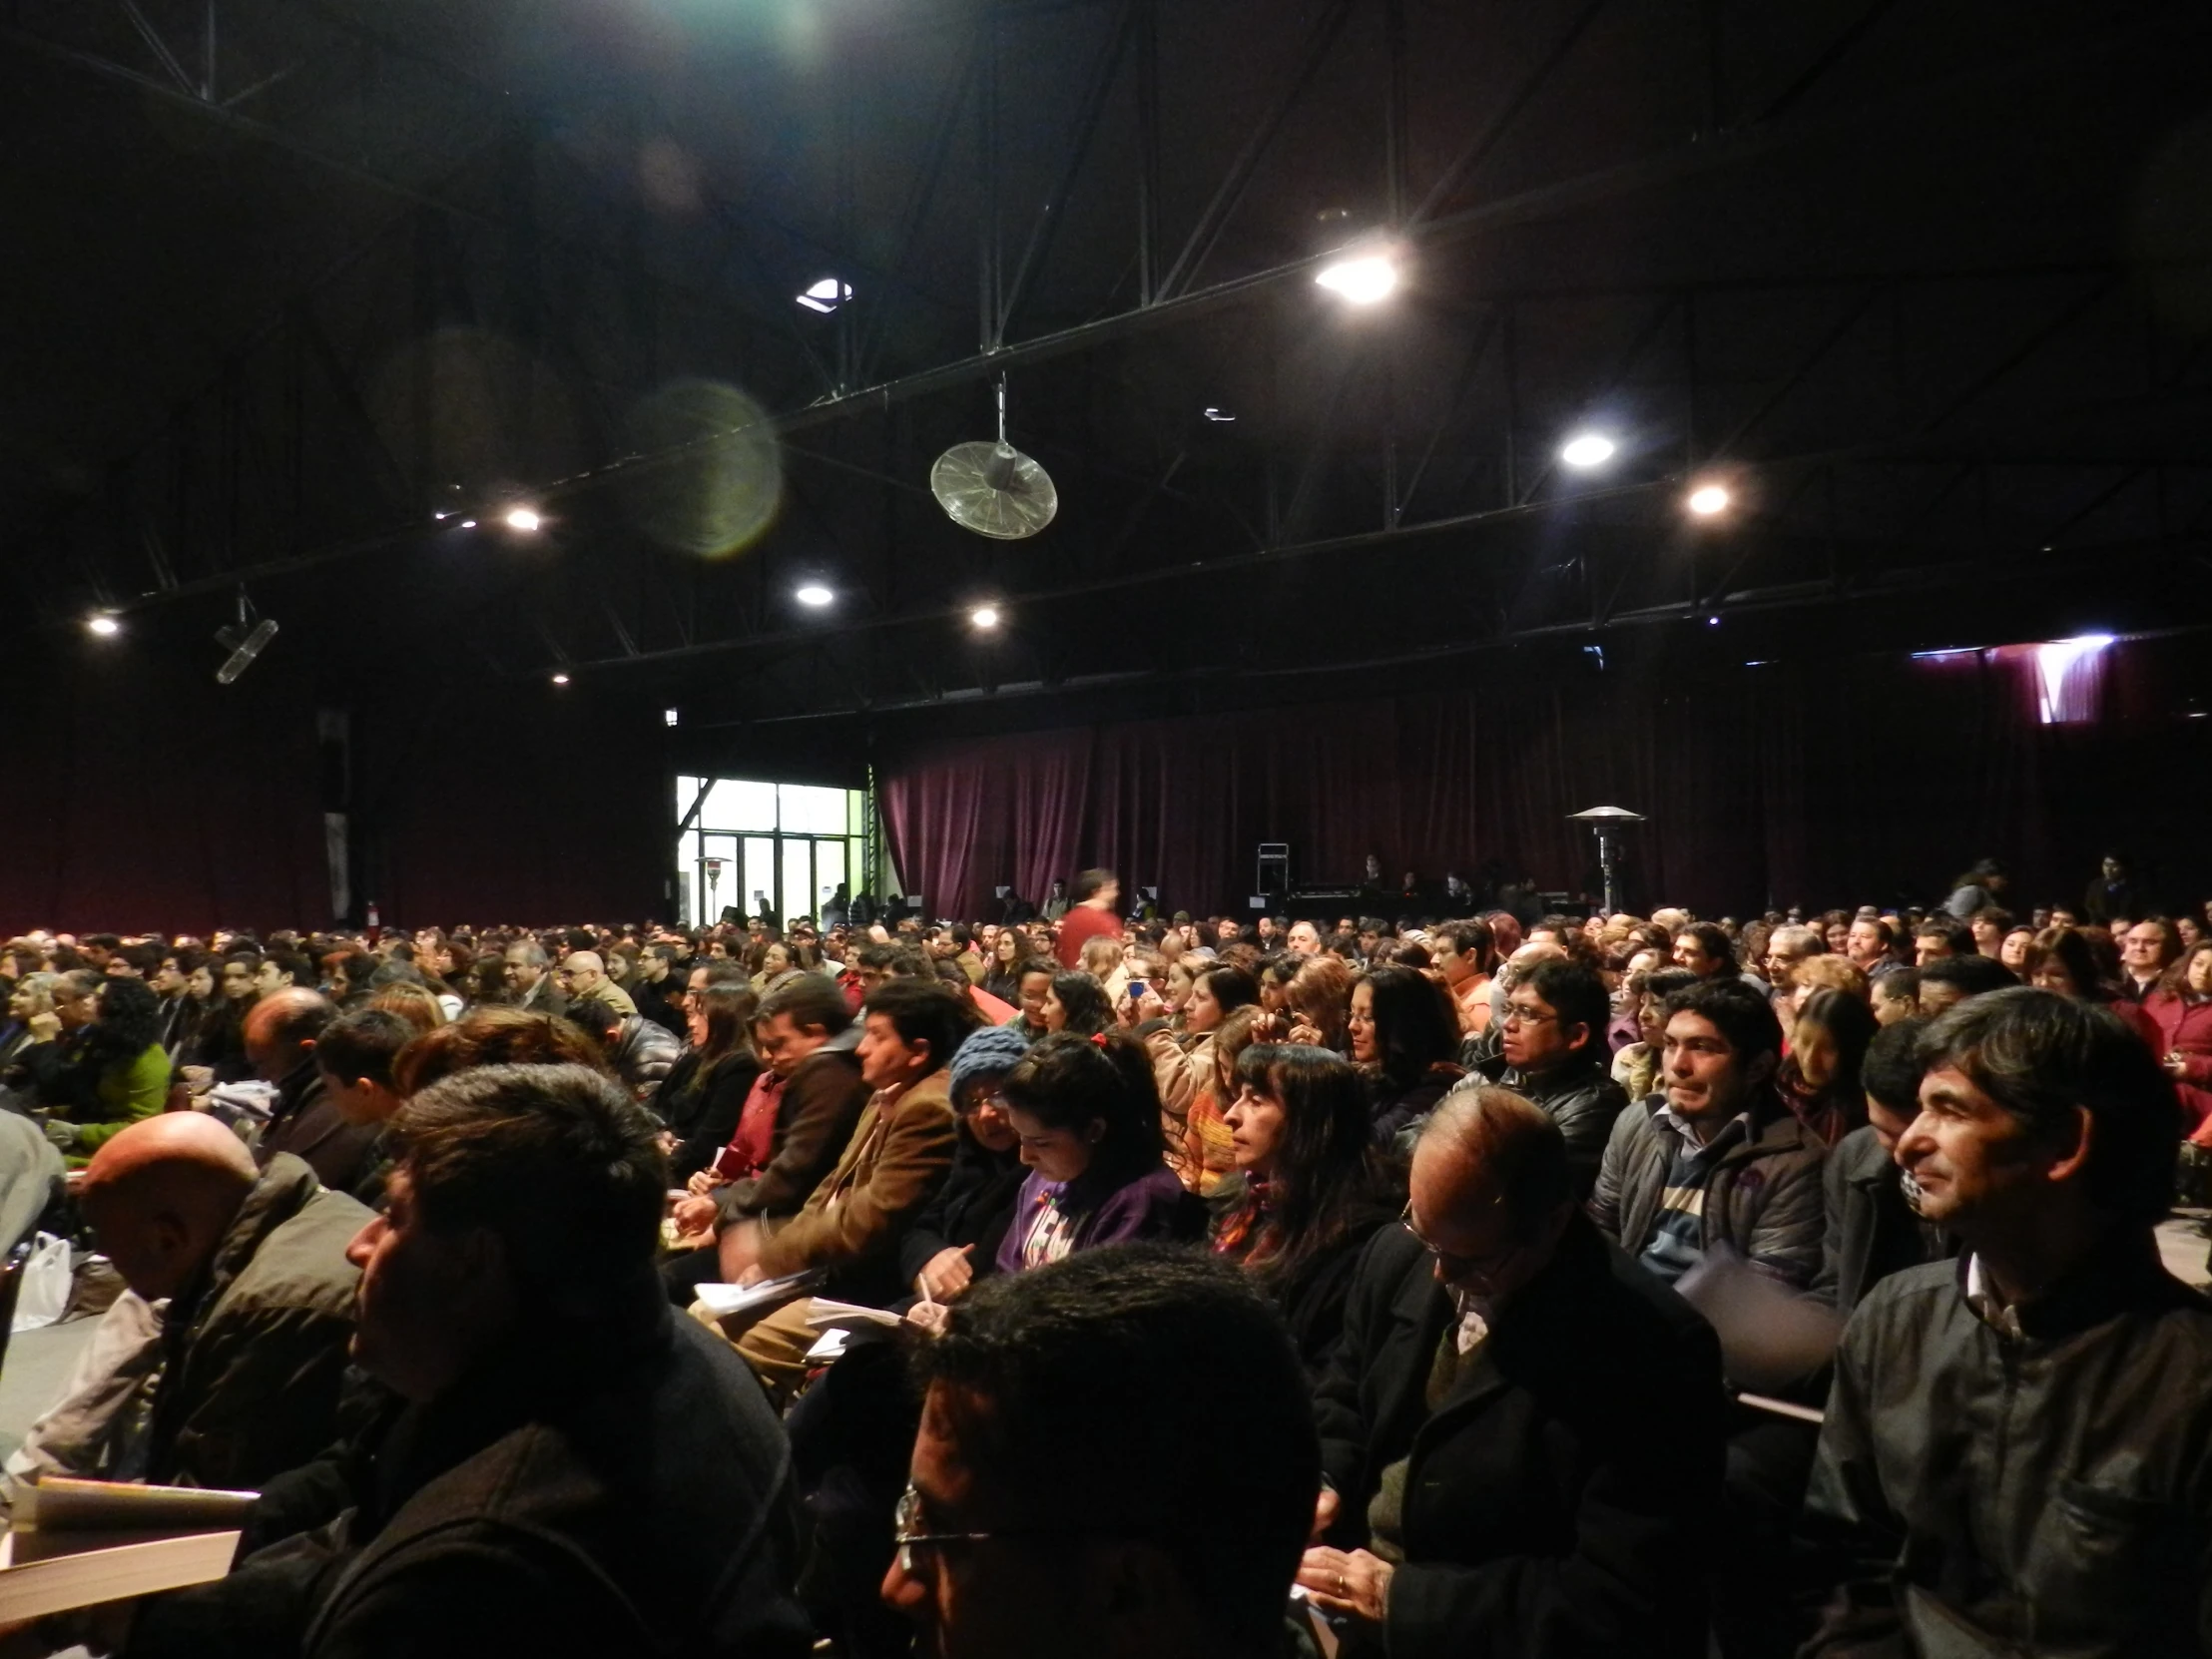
(43,1296)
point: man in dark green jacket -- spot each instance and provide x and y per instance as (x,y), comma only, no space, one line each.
(259,1317)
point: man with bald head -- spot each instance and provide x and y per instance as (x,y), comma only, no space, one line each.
(584,974)
(222,1367)
(280,1034)
(1521,1430)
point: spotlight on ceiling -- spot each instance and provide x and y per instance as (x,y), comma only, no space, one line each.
(1586,450)
(103,625)
(1220,417)
(1363,279)
(669,717)
(469,524)
(1707,500)
(524,519)
(560,678)
(244,639)
(827,296)
(985,616)
(813,594)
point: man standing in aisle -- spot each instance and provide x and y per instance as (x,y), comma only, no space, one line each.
(1097,892)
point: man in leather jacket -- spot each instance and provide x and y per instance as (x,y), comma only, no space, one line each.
(1551,1050)
(2014,1456)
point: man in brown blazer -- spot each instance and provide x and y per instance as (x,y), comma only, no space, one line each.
(898,1155)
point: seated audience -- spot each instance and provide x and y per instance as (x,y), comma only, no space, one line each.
(1309,1187)
(1402,1031)
(1087,1116)
(703,1096)
(2012,1458)
(575,1472)
(221,1364)
(1873,1228)
(1820,1079)
(1716,1157)
(359,1057)
(638,1051)
(1636,1067)
(280,1037)
(102,1069)
(1184,1070)
(1048,1385)
(792,1129)
(1520,1429)
(1077,1003)
(1320,1000)
(583,973)
(898,1155)
(956,1239)
(1551,1051)
(1895,995)
(2181,1008)
(2064,960)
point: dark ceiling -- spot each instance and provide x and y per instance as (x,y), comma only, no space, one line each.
(1929,285)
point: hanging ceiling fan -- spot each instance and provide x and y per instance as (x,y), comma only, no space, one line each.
(993,488)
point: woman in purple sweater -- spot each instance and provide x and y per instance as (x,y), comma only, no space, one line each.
(1088,1113)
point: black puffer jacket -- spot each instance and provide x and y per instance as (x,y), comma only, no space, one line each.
(1581,1097)
(2048,1491)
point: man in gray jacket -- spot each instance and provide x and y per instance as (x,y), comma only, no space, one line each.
(241,1302)
(1715,1157)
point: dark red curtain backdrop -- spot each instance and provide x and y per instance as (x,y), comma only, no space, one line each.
(1796,784)
(140,795)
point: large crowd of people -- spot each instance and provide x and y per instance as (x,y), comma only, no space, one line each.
(1404,1284)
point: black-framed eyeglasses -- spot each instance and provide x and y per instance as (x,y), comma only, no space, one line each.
(909,1534)
(1515,1014)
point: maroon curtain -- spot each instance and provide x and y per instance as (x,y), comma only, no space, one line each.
(1863,779)
(141,796)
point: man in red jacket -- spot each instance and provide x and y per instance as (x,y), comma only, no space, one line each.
(1097,892)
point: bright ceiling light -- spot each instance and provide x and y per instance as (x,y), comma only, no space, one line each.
(1586,450)
(1221,417)
(669,717)
(1708,499)
(827,296)
(560,678)
(815,594)
(985,616)
(103,625)
(469,524)
(523,519)
(1362,281)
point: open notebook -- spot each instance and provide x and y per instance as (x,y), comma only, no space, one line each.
(77,1543)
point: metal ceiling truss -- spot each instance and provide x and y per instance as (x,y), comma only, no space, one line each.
(247,480)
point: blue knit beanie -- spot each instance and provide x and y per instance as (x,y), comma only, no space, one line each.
(990,1052)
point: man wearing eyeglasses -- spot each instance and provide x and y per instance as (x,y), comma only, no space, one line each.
(1551,1050)
(1052,1511)
(1520,1429)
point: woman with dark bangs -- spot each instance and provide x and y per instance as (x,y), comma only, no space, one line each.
(1310,1190)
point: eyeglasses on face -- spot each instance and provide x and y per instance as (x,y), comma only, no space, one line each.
(909,1532)
(1516,1014)
(1456,1266)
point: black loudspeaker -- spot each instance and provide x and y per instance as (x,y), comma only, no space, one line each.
(1274,867)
